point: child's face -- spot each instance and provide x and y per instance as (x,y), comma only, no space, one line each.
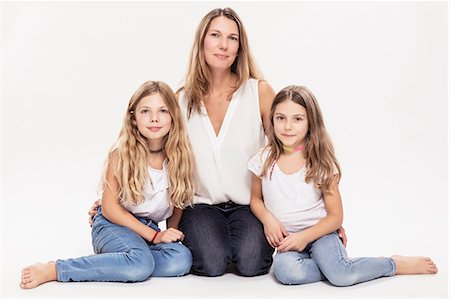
(221,43)
(290,123)
(152,117)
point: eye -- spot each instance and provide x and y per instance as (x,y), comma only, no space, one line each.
(279,117)
(164,110)
(233,38)
(214,34)
(297,119)
(143,111)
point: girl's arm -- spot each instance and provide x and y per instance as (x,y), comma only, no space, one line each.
(116,213)
(273,229)
(328,224)
(266,97)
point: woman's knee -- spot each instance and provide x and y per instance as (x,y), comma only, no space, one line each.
(251,253)
(211,264)
(254,264)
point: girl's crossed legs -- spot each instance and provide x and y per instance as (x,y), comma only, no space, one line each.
(326,258)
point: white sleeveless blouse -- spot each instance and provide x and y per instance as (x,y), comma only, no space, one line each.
(222,160)
(156,205)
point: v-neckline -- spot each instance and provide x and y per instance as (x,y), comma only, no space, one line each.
(217,140)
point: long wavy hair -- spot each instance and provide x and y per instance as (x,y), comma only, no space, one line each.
(319,153)
(129,155)
(198,75)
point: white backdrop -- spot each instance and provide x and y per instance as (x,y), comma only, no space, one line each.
(378,69)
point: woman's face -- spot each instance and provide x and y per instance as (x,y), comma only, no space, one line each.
(221,43)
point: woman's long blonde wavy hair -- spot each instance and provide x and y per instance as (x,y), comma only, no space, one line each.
(198,75)
(319,153)
(129,156)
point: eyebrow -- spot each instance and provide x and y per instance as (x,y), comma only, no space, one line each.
(148,107)
(217,30)
(279,113)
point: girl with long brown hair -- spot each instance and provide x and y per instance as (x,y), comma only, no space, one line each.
(295,195)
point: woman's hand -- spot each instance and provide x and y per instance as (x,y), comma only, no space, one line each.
(273,230)
(93,211)
(168,236)
(293,242)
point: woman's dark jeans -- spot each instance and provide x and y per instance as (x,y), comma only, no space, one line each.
(224,233)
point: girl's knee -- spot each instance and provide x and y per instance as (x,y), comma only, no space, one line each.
(139,267)
(289,277)
(180,261)
(285,272)
(291,269)
(342,279)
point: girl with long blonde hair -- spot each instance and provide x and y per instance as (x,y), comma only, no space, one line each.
(295,195)
(148,178)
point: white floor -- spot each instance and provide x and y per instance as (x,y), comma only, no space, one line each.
(232,286)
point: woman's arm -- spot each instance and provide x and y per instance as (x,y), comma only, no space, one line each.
(328,224)
(273,229)
(266,96)
(174,220)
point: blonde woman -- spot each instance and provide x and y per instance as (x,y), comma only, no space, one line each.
(148,175)
(295,194)
(225,103)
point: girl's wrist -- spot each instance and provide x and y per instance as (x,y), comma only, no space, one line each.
(266,217)
(153,240)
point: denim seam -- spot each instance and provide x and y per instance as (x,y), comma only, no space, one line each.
(394,267)
(341,255)
(59,270)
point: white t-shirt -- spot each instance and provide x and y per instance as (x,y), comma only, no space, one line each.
(295,203)
(156,205)
(222,160)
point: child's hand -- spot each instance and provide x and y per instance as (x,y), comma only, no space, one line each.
(93,211)
(342,235)
(168,236)
(274,231)
(293,242)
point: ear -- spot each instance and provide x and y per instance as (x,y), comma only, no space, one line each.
(134,123)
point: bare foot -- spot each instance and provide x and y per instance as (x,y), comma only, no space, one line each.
(34,275)
(414,265)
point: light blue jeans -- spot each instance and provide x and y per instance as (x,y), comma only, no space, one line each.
(326,258)
(122,255)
